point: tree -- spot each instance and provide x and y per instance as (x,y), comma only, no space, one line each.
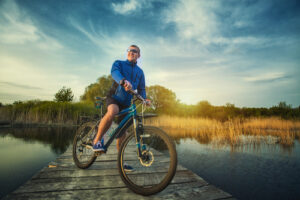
(163,99)
(283,105)
(100,88)
(64,94)
(204,109)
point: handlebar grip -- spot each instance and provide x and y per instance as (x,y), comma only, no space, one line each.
(122,82)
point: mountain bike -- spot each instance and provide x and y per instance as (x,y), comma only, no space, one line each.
(149,150)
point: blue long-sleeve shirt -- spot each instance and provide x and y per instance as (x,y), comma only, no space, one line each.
(132,73)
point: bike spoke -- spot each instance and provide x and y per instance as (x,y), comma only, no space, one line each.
(153,168)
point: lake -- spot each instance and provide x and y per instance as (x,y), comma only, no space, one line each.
(250,172)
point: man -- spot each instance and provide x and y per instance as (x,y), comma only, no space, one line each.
(118,98)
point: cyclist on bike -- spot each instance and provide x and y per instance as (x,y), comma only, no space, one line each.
(118,99)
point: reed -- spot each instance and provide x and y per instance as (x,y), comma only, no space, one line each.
(234,132)
(46,112)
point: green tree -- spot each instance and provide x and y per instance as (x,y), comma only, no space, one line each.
(64,94)
(283,105)
(204,109)
(163,99)
(100,88)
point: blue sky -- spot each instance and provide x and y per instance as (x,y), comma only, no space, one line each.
(242,52)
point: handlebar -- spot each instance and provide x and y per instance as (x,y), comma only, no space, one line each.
(139,97)
(132,92)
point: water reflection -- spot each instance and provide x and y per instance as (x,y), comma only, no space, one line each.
(25,151)
(59,138)
(241,142)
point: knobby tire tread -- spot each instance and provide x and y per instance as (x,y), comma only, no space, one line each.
(93,158)
(172,170)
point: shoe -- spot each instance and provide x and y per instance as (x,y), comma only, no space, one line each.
(99,146)
(128,168)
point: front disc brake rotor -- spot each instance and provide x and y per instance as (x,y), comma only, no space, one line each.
(147,158)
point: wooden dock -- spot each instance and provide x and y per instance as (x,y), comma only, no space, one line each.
(61,179)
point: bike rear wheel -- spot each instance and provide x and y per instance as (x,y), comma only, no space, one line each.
(83,154)
(155,170)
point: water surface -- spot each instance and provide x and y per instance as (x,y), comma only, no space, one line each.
(25,151)
(251,172)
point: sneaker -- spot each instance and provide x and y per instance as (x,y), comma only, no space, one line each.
(128,168)
(99,146)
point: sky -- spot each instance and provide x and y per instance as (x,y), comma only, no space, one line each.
(243,52)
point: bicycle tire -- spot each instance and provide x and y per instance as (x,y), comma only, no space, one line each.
(82,137)
(162,146)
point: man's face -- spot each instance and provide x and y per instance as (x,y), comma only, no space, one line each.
(133,54)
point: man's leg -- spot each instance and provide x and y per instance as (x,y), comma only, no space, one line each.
(106,121)
(120,140)
(126,166)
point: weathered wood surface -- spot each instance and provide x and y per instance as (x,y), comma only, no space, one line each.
(63,180)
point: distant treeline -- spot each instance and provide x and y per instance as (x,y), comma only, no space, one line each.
(46,112)
(163,99)
(229,111)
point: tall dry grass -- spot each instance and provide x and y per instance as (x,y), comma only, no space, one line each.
(46,112)
(233,132)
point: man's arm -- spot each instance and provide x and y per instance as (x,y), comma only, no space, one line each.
(141,87)
(118,77)
(116,72)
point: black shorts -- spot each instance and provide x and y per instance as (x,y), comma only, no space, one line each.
(110,100)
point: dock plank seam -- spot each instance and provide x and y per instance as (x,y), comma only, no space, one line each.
(38,178)
(102,188)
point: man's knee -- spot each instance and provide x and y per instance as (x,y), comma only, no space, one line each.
(112,110)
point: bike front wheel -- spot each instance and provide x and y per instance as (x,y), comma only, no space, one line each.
(83,154)
(154,170)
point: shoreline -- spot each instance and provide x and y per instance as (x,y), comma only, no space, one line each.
(33,125)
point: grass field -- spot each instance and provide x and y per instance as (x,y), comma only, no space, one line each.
(234,132)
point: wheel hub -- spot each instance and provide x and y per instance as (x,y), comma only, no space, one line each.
(147,158)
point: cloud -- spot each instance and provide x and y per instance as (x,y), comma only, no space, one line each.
(20,76)
(16,27)
(209,22)
(10,84)
(113,45)
(128,6)
(194,19)
(267,77)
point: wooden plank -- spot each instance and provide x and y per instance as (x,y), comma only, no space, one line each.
(194,190)
(92,182)
(191,190)
(58,173)
(99,164)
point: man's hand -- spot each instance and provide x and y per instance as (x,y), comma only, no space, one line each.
(148,102)
(127,85)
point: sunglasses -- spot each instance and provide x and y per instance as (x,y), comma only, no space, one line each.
(132,50)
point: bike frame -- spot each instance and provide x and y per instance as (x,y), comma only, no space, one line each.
(131,114)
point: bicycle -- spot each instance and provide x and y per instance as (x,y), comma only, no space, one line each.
(149,150)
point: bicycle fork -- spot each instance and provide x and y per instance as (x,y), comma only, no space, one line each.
(138,131)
